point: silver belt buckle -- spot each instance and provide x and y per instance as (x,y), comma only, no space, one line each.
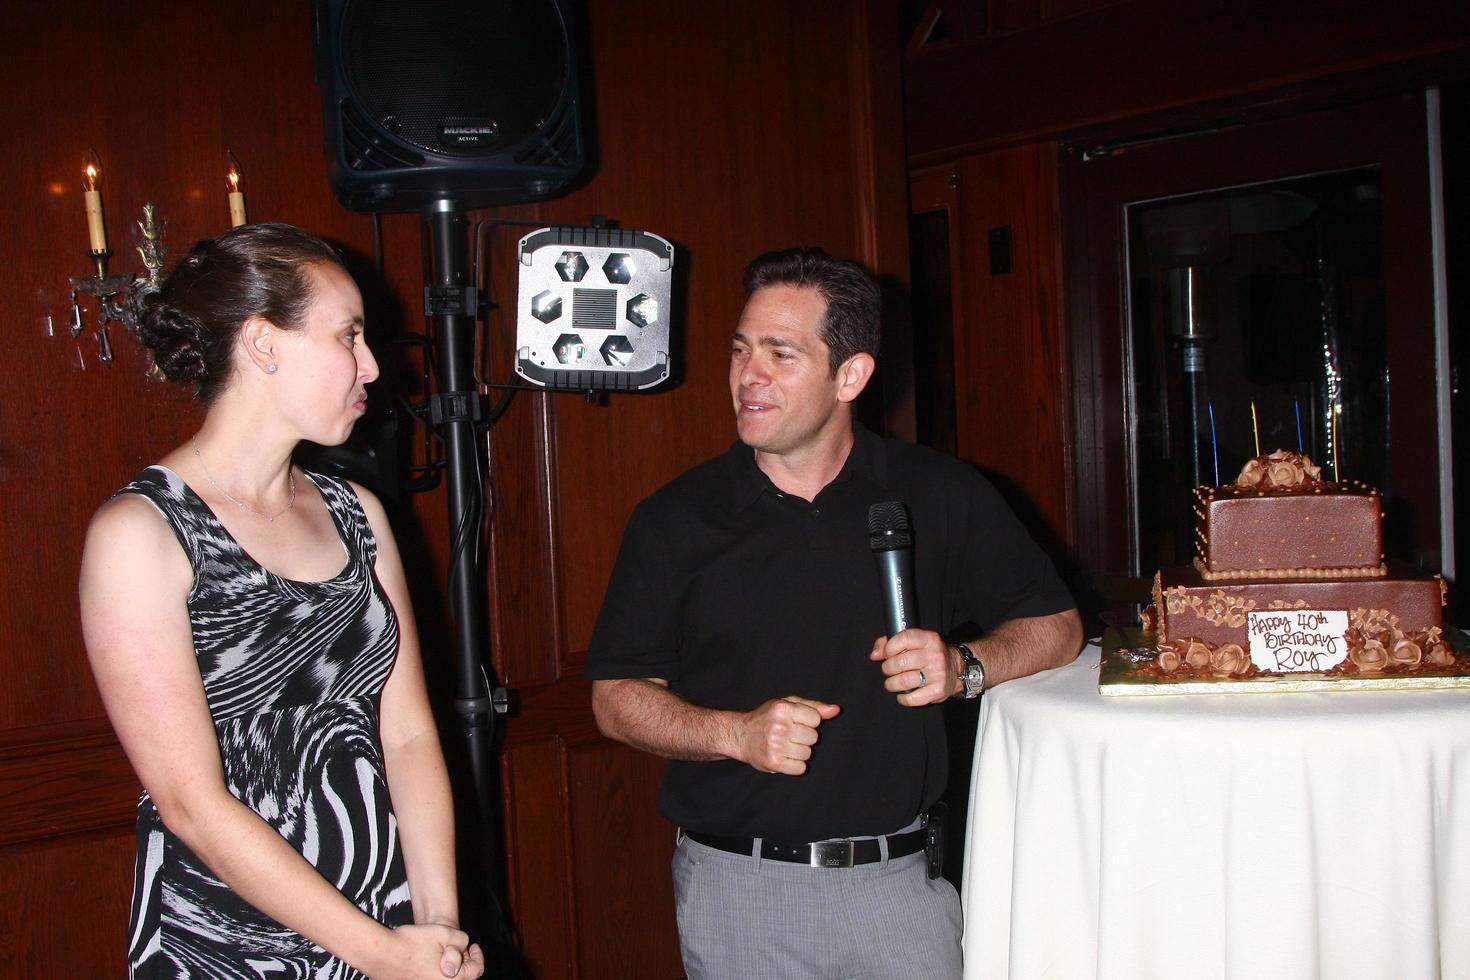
(832,854)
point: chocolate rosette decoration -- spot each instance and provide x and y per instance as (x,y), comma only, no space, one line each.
(1169,659)
(1370,656)
(1229,660)
(1406,653)
(1439,655)
(1280,470)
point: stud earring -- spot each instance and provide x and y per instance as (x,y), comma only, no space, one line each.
(270,368)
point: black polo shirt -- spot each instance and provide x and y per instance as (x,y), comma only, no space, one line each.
(736,593)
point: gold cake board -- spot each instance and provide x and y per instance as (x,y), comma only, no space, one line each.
(1114,680)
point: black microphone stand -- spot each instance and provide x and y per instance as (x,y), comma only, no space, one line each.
(457,410)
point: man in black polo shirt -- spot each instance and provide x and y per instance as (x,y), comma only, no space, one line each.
(741,638)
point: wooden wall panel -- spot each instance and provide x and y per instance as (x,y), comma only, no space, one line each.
(1149,56)
(59,909)
(622,910)
(1011,387)
(535,774)
(879,195)
(64,779)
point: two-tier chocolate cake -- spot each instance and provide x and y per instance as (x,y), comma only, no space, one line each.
(1289,582)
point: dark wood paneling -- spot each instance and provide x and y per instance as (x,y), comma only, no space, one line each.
(535,781)
(617,838)
(880,169)
(64,908)
(1010,361)
(1149,56)
(61,779)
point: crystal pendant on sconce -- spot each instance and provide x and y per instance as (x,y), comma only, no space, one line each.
(74,321)
(104,348)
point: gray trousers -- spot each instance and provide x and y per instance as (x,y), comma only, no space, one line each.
(742,918)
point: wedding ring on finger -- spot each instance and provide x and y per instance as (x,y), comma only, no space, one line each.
(921,678)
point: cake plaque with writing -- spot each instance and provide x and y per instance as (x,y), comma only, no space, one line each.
(1293,640)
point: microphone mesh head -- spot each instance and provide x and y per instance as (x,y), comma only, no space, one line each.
(888,526)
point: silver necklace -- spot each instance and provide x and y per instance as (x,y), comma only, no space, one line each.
(269,518)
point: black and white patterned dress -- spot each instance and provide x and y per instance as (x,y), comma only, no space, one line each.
(292,672)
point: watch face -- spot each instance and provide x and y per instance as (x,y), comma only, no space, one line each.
(974,678)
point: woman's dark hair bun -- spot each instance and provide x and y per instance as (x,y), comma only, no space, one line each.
(174,337)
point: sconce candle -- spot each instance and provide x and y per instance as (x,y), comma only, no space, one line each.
(91,178)
(237,196)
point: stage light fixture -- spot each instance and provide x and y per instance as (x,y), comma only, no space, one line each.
(593,309)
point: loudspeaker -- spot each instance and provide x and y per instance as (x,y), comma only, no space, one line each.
(429,100)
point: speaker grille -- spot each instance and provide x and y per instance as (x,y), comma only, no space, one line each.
(458,78)
(365,148)
(558,144)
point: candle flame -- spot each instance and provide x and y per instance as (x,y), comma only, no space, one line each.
(235,174)
(91,171)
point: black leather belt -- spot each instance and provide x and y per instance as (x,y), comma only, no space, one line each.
(823,854)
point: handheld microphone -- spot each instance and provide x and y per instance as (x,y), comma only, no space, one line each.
(893,548)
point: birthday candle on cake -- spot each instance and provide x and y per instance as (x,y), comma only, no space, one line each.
(1332,420)
(1214,442)
(1255,428)
(1299,426)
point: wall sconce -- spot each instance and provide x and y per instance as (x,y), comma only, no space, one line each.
(117,295)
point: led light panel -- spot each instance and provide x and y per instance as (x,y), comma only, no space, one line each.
(592,309)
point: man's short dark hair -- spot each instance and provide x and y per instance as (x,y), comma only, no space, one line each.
(854,305)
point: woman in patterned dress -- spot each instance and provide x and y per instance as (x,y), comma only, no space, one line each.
(249,627)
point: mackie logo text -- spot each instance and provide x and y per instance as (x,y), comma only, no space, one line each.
(471,131)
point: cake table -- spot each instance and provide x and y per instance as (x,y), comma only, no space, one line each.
(1292,835)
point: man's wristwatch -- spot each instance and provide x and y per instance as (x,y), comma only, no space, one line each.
(972,672)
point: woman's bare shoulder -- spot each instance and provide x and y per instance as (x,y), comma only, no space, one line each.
(129,536)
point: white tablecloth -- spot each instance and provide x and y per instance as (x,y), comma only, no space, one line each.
(1243,836)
